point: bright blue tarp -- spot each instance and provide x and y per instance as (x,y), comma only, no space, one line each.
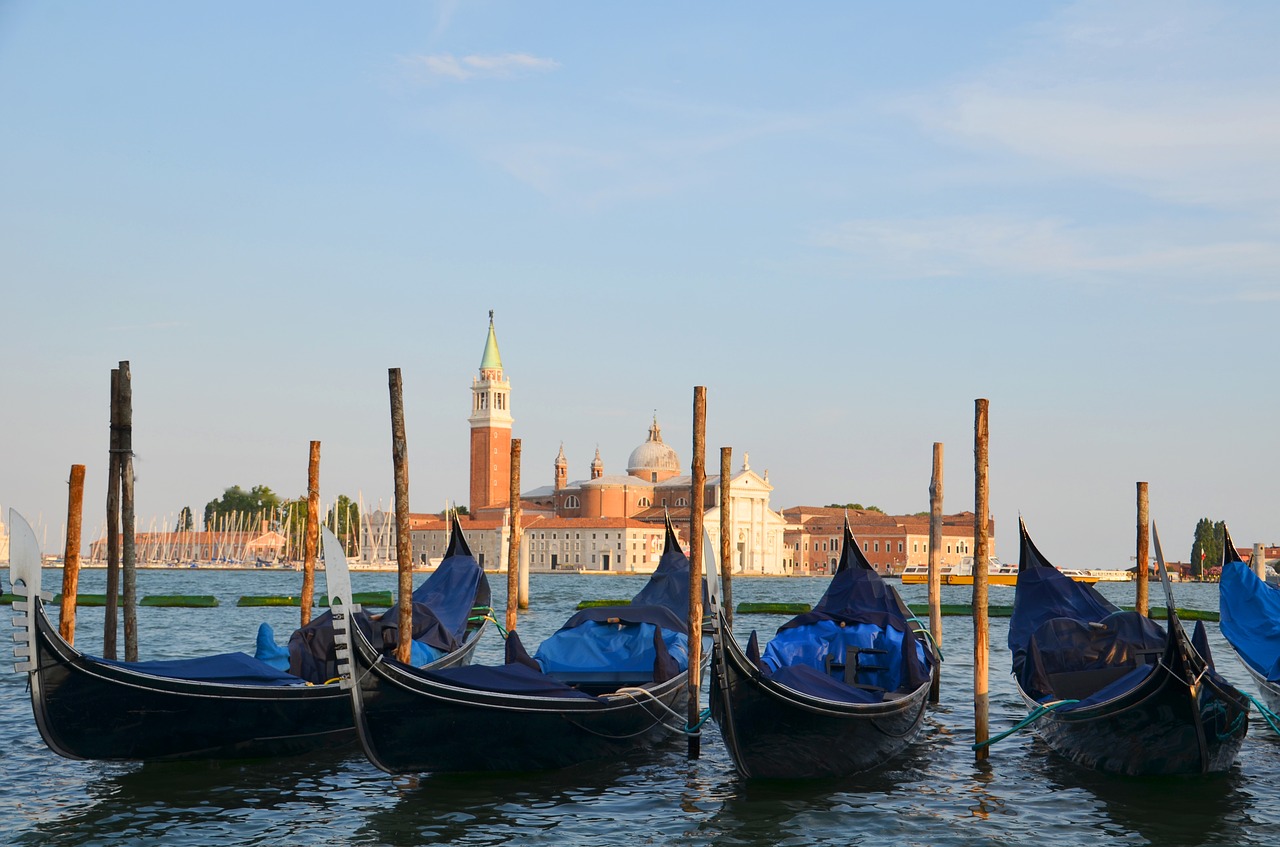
(1250,618)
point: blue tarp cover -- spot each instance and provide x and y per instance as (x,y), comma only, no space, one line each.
(858,609)
(1060,626)
(508,679)
(226,668)
(595,645)
(1250,618)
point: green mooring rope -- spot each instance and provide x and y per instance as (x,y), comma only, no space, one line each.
(697,727)
(1036,714)
(1272,719)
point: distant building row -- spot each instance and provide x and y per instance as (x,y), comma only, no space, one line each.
(614,522)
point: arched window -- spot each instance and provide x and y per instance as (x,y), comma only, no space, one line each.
(681,501)
(644,503)
(572,502)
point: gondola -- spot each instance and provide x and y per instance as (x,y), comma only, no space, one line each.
(839,690)
(612,679)
(215,707)
(1111,689)
(1249,614)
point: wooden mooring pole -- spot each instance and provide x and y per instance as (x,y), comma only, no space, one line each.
(1144,544)
(981,555)
(404,543)
(71,556)
(726,535)
(1259,561)
(111,612)
(935,564)
(312,538)
(697,500)
(128,549)
(513,543)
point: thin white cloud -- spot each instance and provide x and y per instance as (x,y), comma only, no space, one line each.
(1041,249)
(464,68)
(1168,99)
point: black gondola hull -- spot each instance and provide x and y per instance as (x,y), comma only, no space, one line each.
(1161,727)
(89,710)
(409,724)
(773,732)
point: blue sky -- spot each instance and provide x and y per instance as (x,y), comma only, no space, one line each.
(848,220)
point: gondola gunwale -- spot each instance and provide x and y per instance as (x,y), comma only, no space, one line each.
(52,654)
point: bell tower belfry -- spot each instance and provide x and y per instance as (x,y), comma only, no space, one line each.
(490,430)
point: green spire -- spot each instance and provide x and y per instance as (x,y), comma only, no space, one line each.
(491,359)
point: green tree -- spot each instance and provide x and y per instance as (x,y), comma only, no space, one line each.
(186,522)
(259,499)
(1206,550)
(857,506)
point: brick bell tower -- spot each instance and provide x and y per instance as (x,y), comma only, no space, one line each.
(490,431)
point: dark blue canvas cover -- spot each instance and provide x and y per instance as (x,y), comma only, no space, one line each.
(1250,618)
(226,668)
(623,638)
(1060,626)
(442,607)
(857,610)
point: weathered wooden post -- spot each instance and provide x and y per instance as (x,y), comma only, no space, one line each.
(1144,543)
(726,536)
(697,497)
(109,621)
(71,556)
(128,550)
(513,543)
(404,542)
(981,554)
(1260,561)
(312,538)
(935,563)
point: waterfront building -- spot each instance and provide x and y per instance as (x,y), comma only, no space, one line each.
(813,538)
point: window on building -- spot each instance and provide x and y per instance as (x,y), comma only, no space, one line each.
(899,546)
(877,546)
(681,501)
(643,503)
(864,547)
(572,502)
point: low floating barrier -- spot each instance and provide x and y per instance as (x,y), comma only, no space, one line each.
(364,598)
(595,604)
(181,601)
(772,608)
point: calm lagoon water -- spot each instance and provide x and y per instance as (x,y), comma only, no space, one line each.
(937,795)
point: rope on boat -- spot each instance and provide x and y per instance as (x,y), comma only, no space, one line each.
(1272,719)
(635,693)
(937,648)
(1036,714)
(487,616)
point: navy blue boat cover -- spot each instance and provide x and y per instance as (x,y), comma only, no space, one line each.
(1250,615)
(227,668)
(623,638)
(858,610)
(442,606)
(1060,626)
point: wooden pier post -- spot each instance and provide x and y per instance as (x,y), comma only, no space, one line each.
(513,543)
(981,554)
(111,612)
(726,536)
(404,543)
(697,498)
(312,539)
(128,550)
(1144,543)
(71,556)
(935,563)
(1260,561)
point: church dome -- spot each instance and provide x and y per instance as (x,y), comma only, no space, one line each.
(653,455)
